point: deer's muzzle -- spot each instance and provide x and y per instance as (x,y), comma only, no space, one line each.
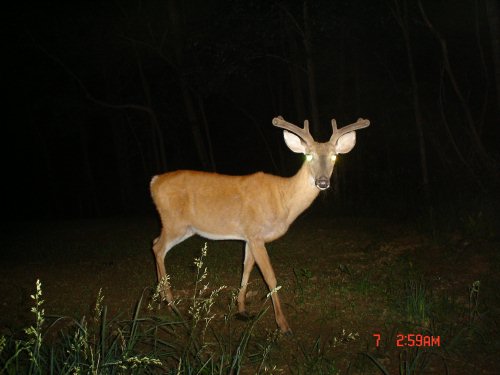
(322,183)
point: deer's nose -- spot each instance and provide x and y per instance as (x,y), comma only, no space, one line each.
(323,183)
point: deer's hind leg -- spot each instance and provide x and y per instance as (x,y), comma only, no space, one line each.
(169,237)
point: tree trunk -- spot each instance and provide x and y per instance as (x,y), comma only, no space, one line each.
(340,75)
(494,23)
(89,202)
(120,147)
(157,141)
(201,106)
(476,142)
(52,205)
(296,74)
(401,16)
(311,70)
(194,123)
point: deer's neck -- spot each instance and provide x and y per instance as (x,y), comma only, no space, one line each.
(301,192)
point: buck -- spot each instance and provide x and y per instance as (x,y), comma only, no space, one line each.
(256,208)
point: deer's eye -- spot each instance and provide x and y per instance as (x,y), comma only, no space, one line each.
(333,157)
(309,157)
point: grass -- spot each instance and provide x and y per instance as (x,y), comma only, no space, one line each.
(336,294)
(189,344)
(143,344)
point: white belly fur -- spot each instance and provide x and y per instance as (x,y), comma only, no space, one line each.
(212,236)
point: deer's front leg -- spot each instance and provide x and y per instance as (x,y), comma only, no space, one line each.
(259,252)
(248,264)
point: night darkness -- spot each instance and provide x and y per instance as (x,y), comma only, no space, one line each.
(104,96)
(101,96)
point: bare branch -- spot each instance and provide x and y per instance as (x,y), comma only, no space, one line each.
(82,86)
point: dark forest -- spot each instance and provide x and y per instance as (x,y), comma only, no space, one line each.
(103,96)
(395,267)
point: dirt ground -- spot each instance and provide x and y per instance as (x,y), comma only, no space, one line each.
(343,281)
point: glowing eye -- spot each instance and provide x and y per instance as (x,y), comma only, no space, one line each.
(309,157)
(334,157)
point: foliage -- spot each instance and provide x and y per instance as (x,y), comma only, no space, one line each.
(142,344)
(452,332)
(201,337)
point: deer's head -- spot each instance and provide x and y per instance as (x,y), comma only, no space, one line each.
(320,157)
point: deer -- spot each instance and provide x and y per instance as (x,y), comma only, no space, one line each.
(256,208)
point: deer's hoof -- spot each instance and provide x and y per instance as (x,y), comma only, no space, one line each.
(244,316)
(288,333)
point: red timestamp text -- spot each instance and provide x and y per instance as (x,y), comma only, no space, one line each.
(417,339)
(412,340)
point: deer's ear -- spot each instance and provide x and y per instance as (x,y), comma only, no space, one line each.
(294,142)
(345,143)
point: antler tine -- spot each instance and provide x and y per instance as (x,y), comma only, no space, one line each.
(334,125)
(301,132)
(337,133)
(306,126)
